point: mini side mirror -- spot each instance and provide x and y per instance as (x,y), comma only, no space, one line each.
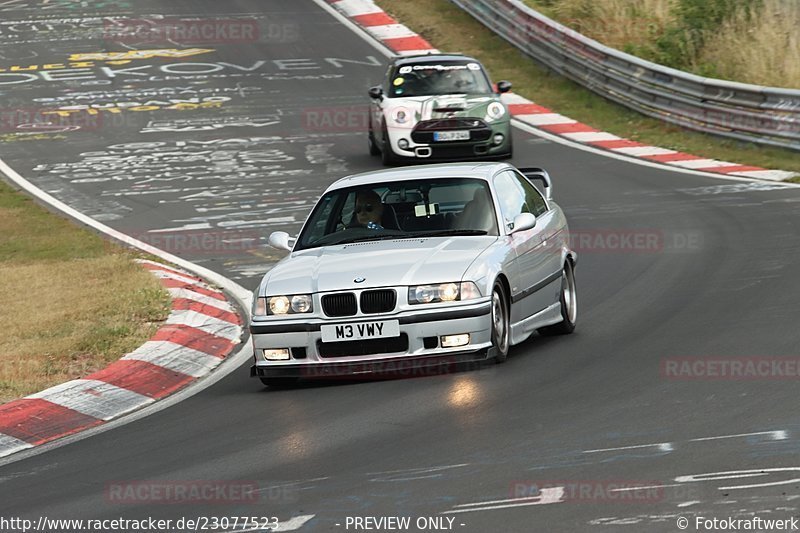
(376,92)
(523,222)
(503,86)
(280,240)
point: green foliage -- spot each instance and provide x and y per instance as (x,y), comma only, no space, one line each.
(681,43)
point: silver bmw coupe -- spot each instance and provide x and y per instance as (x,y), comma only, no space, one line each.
(398,271)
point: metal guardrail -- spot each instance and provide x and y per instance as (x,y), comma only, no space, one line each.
(751,113)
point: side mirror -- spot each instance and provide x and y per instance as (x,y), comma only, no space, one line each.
(503,86)
(376,92)
(280,240)
(523,222)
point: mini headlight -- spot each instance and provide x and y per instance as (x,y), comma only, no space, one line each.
(495,110)
(279,305)
(400,115)
(301,303)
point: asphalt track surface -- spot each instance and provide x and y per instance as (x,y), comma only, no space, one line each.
(591,412)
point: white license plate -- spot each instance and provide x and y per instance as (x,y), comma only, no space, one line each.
(458,135)
(361,330)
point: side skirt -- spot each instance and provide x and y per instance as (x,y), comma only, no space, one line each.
(546,317)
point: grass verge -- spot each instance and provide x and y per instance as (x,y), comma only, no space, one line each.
(450,29)
(70,302)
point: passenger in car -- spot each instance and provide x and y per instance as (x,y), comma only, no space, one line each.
(478,213)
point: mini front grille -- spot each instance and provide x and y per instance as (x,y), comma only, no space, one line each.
(451,124)
(380,301)
(341,304)
(363,347)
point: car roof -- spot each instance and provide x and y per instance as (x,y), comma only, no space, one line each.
(405,60)
(483,171)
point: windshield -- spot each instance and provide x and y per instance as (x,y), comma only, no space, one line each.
(451,77)
(397,210)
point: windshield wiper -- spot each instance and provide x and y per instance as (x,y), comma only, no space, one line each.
(449,232)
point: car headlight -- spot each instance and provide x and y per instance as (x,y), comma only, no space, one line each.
(283,305)
(401,115)
(495,110)
(443,292)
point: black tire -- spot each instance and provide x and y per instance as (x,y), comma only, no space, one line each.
(510,152)
(501,328)
(279,383)
(373,146)
(387,155)
(569,304)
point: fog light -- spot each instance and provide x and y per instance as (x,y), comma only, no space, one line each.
(450,341)
(497,140)
(277,355)
(403,144)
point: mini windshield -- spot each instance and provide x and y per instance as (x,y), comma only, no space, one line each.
(398,210)
(426,79)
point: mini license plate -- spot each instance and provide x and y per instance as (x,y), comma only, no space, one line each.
(457,135)
(361,330)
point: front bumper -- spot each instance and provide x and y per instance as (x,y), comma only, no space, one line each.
(421,146)
(394,367)
(420,348)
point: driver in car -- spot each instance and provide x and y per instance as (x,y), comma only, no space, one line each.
(369,209)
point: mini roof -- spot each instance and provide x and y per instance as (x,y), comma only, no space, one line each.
(405,60)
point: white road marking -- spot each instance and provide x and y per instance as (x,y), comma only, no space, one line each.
(355,8)
(736,474)
(545,119)
(547,496)
(9,445)
(412,473)
(294,523)
(417,52)
(215,326)
(290,484)
(644,162)
(702,163)
(661,446)
(640,151)
(591,136)
(775,435)
(390,31)
(645,488)
(689,504)
(175,357)
(188,294)
(94,398)
(776,175)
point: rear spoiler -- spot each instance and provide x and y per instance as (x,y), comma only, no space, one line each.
(540,174)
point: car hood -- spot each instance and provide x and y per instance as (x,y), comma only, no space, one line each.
(380,263)
(446,106)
